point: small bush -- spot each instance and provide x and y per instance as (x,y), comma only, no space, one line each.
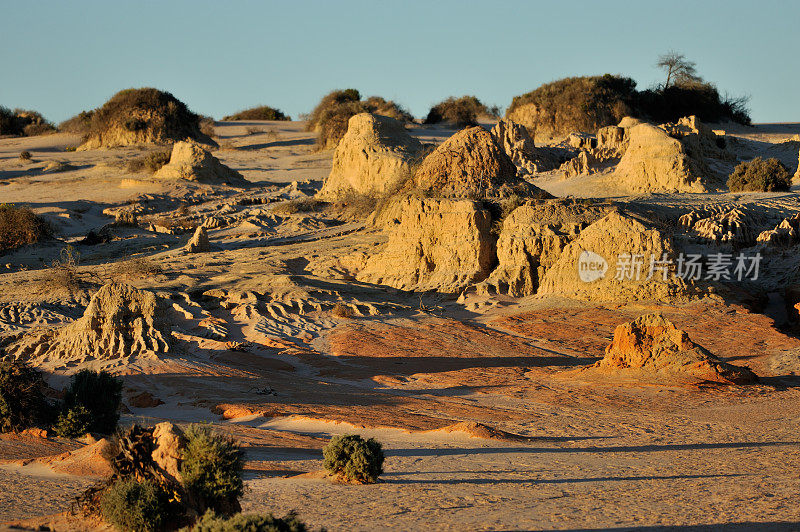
(22,401)
(25,156)
(342,311)
(100,394)
(380,106)
(261,112)
(210,522)
(63,272)
(463,111)
(330,101)
(207,126)
(74,422)
(131,505)
(212,470)
(333,124)
(354,459)
(152,162)
(136,268)
(299,205)
(79,124)
(761,175)
(23,123)
(19,226)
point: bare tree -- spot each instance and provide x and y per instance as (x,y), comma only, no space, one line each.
(679,69)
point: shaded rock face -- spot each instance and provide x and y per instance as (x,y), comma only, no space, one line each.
(192,162)
(119,322)
(588,266)
(434,244)
(199,242)
(656,162)
(470,164)
(531,241)
(653,343)
(373,158)
(514,139)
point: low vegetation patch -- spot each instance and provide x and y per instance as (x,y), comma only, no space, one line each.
(354,459)
(463,111)
(23,123)
(760,175)
(342,310)
(211,522)
(212,470)
(151,163)
(136,268)
(22,401)
(261,112)
(63,272)
(19,226)
(79,124)
(91,404)
(25,156)
(299,205)
(133,505)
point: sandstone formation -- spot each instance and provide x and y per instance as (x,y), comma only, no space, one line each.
(199,242)
(374,157)
(531,241)
(580,165)
(730,225)
(653,344)
(601,263)
(168,444)
(698,139)
(656,162)
(470,164)
(612,141)
(119,322)
(192,162)
(434,244)
(787,233)
(514,139)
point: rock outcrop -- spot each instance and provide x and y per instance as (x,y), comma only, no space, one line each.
(656,162)
(653,344)
(434,244)
(168,444)
(721,226)
(610,261)
(514,139)
(190,161)
(531,241)
(199,241)
(470,164)
(374,157)
(698,139)
(119,322)
(786,233)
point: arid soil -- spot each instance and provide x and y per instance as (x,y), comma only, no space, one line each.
(491,408)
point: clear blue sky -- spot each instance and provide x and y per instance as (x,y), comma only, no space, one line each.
(60,57)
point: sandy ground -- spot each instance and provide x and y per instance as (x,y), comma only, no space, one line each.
(578,450)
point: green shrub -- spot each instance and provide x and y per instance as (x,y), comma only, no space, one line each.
(210,522)
(73,422)
(19,226)
(131,505)
(463,111)
(261,112)
(152,162)
(100,394)
(212,470)
(353,458)
(761,175)
(22,401)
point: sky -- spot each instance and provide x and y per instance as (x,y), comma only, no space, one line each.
(219,57)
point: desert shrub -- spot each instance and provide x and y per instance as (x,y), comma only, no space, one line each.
(698,98)
(133,505)
(22,122)
(333,123)
(25,155)
(210,522)
(136,268)
(22,401)
(342,311)
(353,458)
(463,111)
(19,226)
(8,122)
(63,272)
(261,112)
(383,107)
(576,104)
(212,469)
(330,101)
(73,422)
(154,114)
(152,162)
(299,205)
(763,175)
(79,124)
(100,394)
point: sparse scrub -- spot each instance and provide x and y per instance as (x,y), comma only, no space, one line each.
(383,107)
(136,268)
(22,401)
(207,126)
(463,111)
(19,226)
(100,394)
(63,272)
(132,505)
(299,205)
(79,124)
(73,422)
(210,522)
(212,470)
(261,112)
(760,175)
(354,459)
(25,156)
(341,310)
(152,162)
(252,130)
(21,122)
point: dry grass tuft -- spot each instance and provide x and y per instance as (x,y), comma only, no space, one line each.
(152,162)
(19,226)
